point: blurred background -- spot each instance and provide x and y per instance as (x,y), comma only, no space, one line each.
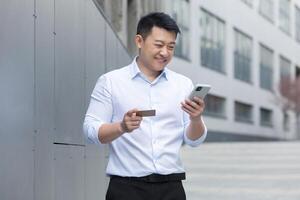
(52,52)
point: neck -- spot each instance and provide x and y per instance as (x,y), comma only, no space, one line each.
(150,74)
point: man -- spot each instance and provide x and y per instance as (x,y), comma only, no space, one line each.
(144,158)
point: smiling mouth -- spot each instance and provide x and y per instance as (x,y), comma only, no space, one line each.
(161,60)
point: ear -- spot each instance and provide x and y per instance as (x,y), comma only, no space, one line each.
(139,41)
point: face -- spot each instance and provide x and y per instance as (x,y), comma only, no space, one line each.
(157,49)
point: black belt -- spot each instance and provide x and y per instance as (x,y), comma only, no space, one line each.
(152,178)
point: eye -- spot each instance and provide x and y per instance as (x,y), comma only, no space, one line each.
(158,45)
(171,47)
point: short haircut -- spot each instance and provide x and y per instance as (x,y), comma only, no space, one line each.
(158,19)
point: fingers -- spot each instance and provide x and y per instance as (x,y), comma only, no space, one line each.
(196,104)
(198,101)
(132,115)
(131,112)
(131,121)
(193,108)
(186,110)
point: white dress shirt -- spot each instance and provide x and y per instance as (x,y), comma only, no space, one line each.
(154,146)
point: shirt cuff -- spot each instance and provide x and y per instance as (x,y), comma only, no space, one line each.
(197,142)
(91,132)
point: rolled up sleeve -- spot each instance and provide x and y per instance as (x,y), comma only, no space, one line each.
(197,142)
(186,122)
(99,111)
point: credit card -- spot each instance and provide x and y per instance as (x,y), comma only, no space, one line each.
(145,113)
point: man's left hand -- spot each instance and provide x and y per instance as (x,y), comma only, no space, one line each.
(194,108)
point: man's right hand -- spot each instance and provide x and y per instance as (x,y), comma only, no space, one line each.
(110,131)
(130,121)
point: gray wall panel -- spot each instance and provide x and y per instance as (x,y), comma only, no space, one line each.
(95,163)
(69,172)
(96,180)
(69,70)
(17,99)
(45,65)
(111,49)
(123,57)
(44,175)
(95,47)
(45,86)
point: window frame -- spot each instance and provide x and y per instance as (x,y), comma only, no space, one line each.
(182,39)
(240,51)
(267,16)
(208,37)
(237,116)
(285,17)
(221,100)
(268,123)
(265,69)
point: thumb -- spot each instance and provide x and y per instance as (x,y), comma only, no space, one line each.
(131,112)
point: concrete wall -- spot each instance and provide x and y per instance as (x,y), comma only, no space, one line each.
(51,54)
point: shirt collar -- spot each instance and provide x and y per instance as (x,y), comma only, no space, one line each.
(135,71)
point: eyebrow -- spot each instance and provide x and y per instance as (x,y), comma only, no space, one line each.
(164,42)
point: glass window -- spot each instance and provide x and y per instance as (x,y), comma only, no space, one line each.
(101,3)
(214,106)
(212,41)
(149,6)
(266,116)
(181,14)
(297,21)
(248,2)
(131,25)
(285,68)
(297,72)
(242,56)
(113,12)
(116,16)
(243,112)
(286,121)
(266,9)
(266,68)
(284,15)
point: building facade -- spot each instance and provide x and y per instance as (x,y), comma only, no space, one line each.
(243,48)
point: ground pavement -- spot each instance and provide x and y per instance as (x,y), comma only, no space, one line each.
(243,171)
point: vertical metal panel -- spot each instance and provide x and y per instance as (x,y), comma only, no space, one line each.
(123,57)
(44,54)
(95,47)
(69,70)
(17,99)
(111,48)
(45,65)
(69,172)
(55,93)
(96,180)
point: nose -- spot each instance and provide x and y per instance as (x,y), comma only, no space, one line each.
(164,51)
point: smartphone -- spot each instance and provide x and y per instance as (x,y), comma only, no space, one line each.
(145,113)
(200,90)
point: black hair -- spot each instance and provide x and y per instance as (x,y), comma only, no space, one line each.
(158,19)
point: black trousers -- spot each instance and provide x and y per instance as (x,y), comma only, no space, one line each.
(121,188)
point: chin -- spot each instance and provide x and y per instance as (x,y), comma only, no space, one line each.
(159,67)
(162,64)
